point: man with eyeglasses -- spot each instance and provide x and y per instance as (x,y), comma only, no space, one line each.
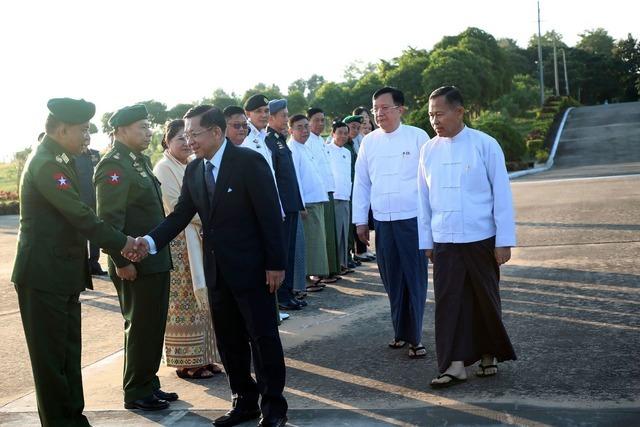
(237,125)
(129,198)
(290,196)
(232,190)
(386,180)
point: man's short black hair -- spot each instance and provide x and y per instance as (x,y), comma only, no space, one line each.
(313,111)
(232,110)
(211,116)
(51,124)
(337,124)
(296,118)
(451,94)
(396,94)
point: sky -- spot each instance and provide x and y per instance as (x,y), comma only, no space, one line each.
(115,53)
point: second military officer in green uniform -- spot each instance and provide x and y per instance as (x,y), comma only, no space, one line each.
(129,198)
(51,266)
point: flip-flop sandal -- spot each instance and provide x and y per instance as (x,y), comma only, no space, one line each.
(417,352)
(214,368)
(200,373)
(482,372)
(452,381)
(397,344)
(347,271)
(315,288)
(329,280)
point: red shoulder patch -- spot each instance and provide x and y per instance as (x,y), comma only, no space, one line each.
(62,182)
(114,177)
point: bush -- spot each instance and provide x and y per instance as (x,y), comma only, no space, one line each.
(9,207)
(503,130)
(542,156)
(533,145)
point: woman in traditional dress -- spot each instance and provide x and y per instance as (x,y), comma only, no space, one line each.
(189,337)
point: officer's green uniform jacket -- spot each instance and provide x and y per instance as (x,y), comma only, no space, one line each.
(129,198)
(55,225)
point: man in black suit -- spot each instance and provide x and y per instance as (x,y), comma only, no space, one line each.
(233,191)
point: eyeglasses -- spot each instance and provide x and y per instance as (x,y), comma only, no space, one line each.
(193,135)
(383,110)
(238,126)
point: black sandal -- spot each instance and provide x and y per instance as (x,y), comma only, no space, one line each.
(482,373)
(417,352)
(397,344)
(452,381)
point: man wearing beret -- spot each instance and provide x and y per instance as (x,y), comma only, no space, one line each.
(51,266)
(290,196)
(257,109)
(129,198)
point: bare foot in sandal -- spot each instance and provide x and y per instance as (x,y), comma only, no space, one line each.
(417,352)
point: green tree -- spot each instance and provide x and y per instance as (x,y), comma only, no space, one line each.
(459,67)
(546,40)
(221,99)
(363,90)
(405,73)
(627,52)
(503,130)
(313,84)
(523,96)
(104,121)
(178,111)
(157,111)
(597,42)
(271,92)
(296,103)
(93,128)
(334,99)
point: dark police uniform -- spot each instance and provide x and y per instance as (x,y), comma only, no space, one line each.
(291,201)
(85,165)
(51,270)
(129,198)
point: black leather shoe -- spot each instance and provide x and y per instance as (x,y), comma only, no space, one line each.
(169,397)
(236,416)
(278,422)
(289,305)
(149,403)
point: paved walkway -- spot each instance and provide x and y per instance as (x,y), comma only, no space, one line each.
(571,300)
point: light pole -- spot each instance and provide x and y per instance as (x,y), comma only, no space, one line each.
(566,77)
(540,60)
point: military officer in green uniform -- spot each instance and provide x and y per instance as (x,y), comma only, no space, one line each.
(50,268)
(129,198)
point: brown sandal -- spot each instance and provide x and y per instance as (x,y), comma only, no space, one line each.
(198,374)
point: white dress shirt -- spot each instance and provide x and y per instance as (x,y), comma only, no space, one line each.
(216,160)
(385,176)
(255,141)
(308,173)
(320,152)
(340,159)
(464,191)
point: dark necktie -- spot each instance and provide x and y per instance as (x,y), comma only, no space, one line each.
(210,182)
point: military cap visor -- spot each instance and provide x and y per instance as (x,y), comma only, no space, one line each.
(127,115)
(351,119)
(71,111)
(255,102)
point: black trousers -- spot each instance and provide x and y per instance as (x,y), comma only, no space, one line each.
(245,324)
(290,225)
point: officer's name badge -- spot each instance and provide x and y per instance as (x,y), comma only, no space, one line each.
(116,156)
(143,174)
(133,156)
(406,153)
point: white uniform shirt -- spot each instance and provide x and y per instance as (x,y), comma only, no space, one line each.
(309,178)
(320,151)
(386,171)
(340,159)
(464,191)
(255,141)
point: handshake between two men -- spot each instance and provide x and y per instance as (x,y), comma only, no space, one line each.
(135,250)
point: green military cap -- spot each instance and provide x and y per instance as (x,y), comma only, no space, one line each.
(71,111)
(351,119)
(127,115)
(255,102)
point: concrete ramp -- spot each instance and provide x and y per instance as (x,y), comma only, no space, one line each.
(596,141)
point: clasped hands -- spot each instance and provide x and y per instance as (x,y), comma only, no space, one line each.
(134,250)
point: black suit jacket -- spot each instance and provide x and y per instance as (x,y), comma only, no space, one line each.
(242,230)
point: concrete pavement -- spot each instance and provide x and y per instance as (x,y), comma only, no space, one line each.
(570,296)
